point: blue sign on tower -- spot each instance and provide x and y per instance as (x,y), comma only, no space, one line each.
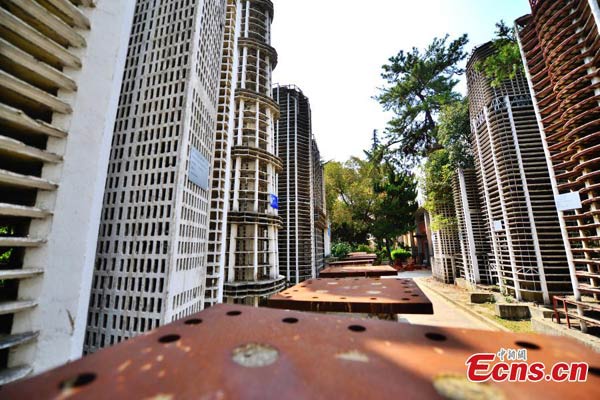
(274,201)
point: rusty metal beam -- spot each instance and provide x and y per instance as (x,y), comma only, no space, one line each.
(236,352)
(357,270)
(355,295)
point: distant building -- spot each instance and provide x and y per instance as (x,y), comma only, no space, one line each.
(526,243)
(560,43)
(61,65)
(301,189)
(152,245)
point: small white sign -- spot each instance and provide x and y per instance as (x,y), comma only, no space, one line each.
(568,201)
(498,226)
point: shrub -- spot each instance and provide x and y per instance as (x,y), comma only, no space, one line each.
(364,248)
(401,254)
(341,249)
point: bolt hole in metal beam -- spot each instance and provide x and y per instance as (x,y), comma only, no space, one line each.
(193,321)
(438,337)
(169,338)
(234,313)
(528,345)
(80,380)
(357,328)
(290,320)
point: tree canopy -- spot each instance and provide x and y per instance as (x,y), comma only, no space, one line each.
(369,198)
(420,83)
(350,199)
(506,61)
(455,133)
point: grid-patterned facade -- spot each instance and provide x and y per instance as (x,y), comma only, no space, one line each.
(152,243)
(560,43)
(472,227)
(221,181)
(252,256)
(60,71)
(294,140)
(447,261)
(319,207)
(521,213)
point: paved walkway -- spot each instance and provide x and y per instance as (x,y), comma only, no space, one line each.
(444,313)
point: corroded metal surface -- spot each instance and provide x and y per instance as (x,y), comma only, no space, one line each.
(355,295)
(350,261)
(345,271)
(301,356)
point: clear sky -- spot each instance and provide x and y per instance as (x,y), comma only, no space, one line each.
(334,49)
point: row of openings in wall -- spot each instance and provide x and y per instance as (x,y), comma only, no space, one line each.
(130,326)
(151,265)
(258,70)
(128,283)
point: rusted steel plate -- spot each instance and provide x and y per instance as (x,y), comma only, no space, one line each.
(346,271)
(356,295)
(364,256)
(350,261)
(237,352)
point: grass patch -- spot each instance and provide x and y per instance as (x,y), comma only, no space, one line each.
(489,310)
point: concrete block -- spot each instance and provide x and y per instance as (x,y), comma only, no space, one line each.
(541,312)
(513,311)
(482,297)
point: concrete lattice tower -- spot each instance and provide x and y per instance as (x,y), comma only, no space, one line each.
(447,257)
(526,242)
(252,257)
(472,227)
(296,197)
(319,207)
(152,244)
(560,44)
(301,189)
(61,65)
(221,175)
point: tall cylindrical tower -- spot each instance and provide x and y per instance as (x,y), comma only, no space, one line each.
(253,221)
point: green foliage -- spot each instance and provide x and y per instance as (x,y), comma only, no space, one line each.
(364,248)
(401,254)
(506,62)
(437,185)
(6,230)
(439,222)
(455,134)
(396,206)
(420,83)
(350,199)
(4,257)
(341,249)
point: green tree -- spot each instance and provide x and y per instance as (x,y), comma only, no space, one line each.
(394,211)
(437,186)
(455,133)
(350,199)
(506,61)
(420,83)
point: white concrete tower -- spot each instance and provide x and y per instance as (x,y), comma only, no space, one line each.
(61,66)
(152,244)
(252,259)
